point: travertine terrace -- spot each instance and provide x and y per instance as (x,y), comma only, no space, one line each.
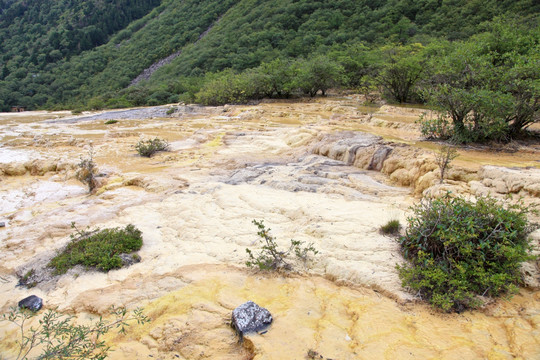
(312,170)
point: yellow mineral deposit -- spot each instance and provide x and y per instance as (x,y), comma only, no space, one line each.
(298,166)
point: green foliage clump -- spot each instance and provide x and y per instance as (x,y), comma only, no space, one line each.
(58,336)
(171,110)
(486,88)
(391,227)
(460,250)
(99,249)
(73,53)
(401,69)
(320,73)
(271,257)
(149,147)
(110,122)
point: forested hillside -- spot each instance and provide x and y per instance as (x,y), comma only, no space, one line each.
(85,54)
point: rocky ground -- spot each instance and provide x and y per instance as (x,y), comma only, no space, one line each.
(328,171)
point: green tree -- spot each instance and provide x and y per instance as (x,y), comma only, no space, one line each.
(278,78)
(401,70)
(488,86)
(319,73)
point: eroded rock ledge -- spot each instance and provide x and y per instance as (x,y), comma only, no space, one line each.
(414,167)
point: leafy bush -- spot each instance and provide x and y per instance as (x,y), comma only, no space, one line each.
(58,337)
(391,228)
(227,87)
(99,249)
(149,147)
(438,127)
(270,257)
(110,122)
(460,249)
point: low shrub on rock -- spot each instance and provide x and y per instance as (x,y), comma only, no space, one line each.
(149,147)
(270,257)
(100,249)
(462,250)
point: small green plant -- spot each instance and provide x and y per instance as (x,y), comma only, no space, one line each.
(99,249)
(149,147)
(171,111)
(110,122)
(271,257)
(462,250)
(443,159)
(437,127)
(58,337)
(391,227)
(88,170)
(26,279)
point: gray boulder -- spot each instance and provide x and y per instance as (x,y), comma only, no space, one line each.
(32,302)
(250,317)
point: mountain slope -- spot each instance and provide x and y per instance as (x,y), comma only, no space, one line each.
(97,48)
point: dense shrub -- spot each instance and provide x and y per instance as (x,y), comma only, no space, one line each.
(227,87)
(149,147)
(99,249)
(460,249)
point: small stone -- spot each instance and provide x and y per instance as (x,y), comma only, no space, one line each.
(32,302)
(2,224)
(250,317)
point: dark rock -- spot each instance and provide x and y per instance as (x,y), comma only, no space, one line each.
(250,317)
(2,224)
(32,302)
(129,259)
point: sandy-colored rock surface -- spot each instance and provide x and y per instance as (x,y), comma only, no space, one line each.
(309,170)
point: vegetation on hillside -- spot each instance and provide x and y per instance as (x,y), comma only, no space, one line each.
(85,54)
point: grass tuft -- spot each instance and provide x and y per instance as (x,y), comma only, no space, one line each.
(391,228)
